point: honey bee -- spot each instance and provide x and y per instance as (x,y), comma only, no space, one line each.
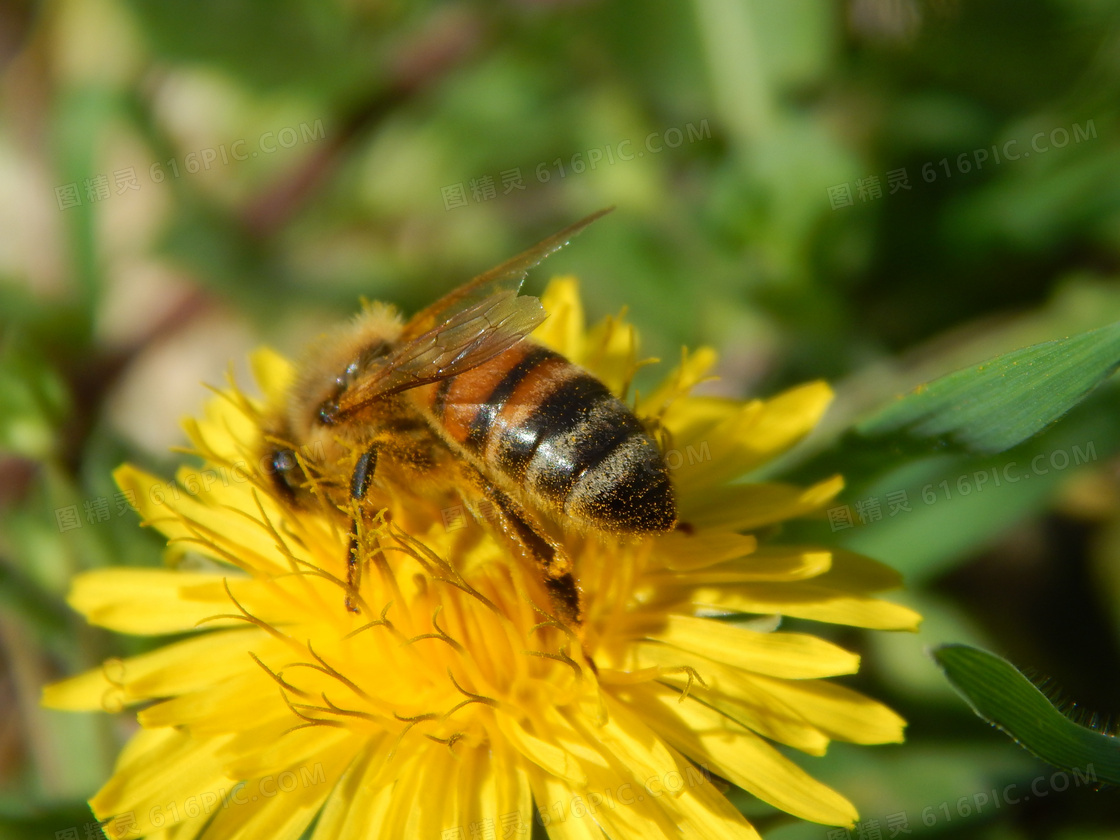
(460,398)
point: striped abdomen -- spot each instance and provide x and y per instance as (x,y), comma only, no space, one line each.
(555,432)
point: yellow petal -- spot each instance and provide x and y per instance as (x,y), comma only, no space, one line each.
(444,770)
(218,709)
(562,331)
(272,372)
(357,806)
(708,815)
(790,655)
(156,774)
(759,432)
(513,797)
(547,756)
(836,710)
(487,795)
(631,743)
(692,418)
(554,799)
(740,756)
(808,599)
(144,601)
(90,691)
(245,759)
(282,805)
(677,550)
(735,693)
(856,573)
(204,523)
(742,507)
(611,353)
(775,563)
(411,791)
(666,778)
(621,778)
(179,667)
(667,400)
(229,426)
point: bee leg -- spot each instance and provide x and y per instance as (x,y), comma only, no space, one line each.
(359,486)
(523,529)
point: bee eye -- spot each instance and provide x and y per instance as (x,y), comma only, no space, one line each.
(285,473)
(328,413)
(284,461)
(349,375)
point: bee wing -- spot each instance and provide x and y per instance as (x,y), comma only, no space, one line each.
(506,277)
(465,340)
(465,328)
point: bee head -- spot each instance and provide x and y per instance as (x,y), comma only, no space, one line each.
(335,362)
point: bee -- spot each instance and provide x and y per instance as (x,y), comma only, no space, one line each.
(460,398)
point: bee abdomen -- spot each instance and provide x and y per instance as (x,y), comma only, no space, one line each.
(595,456)
(560,434)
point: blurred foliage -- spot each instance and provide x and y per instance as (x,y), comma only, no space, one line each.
(181,181)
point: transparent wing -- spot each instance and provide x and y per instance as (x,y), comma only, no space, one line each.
(465,328)
(506,277)
(466,340)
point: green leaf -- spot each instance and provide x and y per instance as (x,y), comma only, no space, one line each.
(33,401)
(1001,695)
(1001,402)
(957,503)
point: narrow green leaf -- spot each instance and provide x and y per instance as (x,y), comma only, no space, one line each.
(1001,695)
(955,504)
(1001,402)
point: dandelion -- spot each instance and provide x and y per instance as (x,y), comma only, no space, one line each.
(451,705)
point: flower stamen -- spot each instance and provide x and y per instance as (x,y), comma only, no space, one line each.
(562,656)
(471,698)
(411,721)
(378,622)
(692,674)
(284,684)
(450,741)
(245,615)
(324,668)
(451,574)
(348,712)
(439,634)
(310,721)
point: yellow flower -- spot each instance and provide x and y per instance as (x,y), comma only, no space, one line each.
(450,706)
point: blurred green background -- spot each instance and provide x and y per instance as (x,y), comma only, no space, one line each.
(876,192)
